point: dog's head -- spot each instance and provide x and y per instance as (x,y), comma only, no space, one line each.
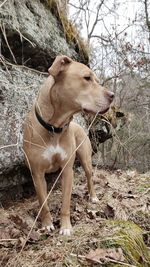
(79,87)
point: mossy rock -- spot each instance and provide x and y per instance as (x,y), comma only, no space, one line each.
(72,35)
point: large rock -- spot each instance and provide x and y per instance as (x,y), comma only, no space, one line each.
(31,35)
(18,89)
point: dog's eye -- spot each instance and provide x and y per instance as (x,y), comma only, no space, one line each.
(87,78)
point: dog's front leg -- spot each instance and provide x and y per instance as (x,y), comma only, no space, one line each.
(41,190)
(67,178)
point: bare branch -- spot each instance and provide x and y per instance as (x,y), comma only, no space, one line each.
(147,16)
(100,37)
(96,19)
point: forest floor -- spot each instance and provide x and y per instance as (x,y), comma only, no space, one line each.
(114,232)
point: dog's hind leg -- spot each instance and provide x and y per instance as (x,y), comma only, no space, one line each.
(85,156)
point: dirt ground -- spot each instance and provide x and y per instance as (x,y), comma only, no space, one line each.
(114,232)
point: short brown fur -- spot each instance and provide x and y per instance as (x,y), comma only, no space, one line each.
(70,88)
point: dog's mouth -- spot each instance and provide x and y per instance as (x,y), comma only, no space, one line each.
(104,111)
(93,112)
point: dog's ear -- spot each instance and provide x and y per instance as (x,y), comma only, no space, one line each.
(59,64)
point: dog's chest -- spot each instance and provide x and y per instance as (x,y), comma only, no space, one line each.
(52,151)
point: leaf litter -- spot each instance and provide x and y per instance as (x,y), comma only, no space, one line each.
(102,232)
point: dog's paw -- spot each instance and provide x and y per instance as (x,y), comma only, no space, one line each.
(48,228)
(67,231)
(94,199)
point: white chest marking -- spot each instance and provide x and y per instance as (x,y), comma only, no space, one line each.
(50,151)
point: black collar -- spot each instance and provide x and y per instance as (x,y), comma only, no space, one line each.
(47,126)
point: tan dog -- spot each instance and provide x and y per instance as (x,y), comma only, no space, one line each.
(50,137)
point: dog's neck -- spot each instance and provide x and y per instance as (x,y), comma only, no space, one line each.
(51,107)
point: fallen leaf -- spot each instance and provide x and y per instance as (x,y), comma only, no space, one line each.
(4,234)
(24,227)
(91,213)
(109,211)
(105,255)
(79,208)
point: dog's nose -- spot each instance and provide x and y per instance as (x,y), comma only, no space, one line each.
(110,95)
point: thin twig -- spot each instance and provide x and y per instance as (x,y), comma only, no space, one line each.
(8,239)
(3,61)
(6,146)
(3,3)
(29,125)
(147,190)
(123,263)
(22,36)
(6,40)
(25,67)
(34,144)
(97,261)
